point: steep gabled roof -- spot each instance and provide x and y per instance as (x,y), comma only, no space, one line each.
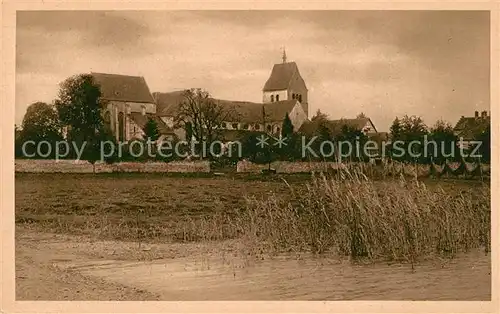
(281,76)
(251,112)
(276,111)
(242,111)
(123,87)
(167,104)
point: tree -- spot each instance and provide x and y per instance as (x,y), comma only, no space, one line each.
(405,131)
(203,113)
(80,107)
(41,123)
(485,148)
(396,129)
(17,142)
(151,130)
(353,135)
(287,151)
(188,127)
(413,127)
(319,116)
(251,149)
(443,142)
(287,127)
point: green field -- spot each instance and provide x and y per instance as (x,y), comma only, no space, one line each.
(156,207)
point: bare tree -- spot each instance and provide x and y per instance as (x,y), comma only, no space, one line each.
(320,116)
(204,114)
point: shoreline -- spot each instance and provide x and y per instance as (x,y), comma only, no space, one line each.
(82,268)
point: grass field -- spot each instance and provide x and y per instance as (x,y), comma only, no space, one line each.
(112,206)
(389,218)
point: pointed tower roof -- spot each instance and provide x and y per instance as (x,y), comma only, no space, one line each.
(281,76)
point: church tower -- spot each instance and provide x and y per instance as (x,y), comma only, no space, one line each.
(285,83)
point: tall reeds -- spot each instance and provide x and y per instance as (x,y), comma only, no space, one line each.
(348,213)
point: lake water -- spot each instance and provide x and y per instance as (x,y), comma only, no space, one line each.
(467,277)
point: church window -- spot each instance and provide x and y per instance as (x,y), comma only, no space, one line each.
(277,129)
(257,126)
(300,98)
(293,96)
(246,126)
(235,126)
(272,98)
(223,124)
(277,97)
(121,127)
(269,128)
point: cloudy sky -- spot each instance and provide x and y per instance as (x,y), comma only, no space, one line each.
(434,64)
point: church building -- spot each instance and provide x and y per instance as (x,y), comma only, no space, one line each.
(285,83)
(130,104)
(284,92)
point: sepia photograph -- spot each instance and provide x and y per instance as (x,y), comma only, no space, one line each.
(253,155)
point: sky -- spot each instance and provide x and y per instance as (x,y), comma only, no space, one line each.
(433,64)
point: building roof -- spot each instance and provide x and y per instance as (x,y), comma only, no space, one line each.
(358,123)
(276,111)
(141,121)
(281,76)
(334,126)
(470,127)
(123,87)
(242,111)
(167,104)
(251,112)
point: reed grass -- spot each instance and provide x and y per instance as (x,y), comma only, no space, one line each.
(349,214)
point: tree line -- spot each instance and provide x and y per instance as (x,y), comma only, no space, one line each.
(439,142)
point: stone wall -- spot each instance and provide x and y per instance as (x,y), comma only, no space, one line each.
(74,166)
(287,167)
